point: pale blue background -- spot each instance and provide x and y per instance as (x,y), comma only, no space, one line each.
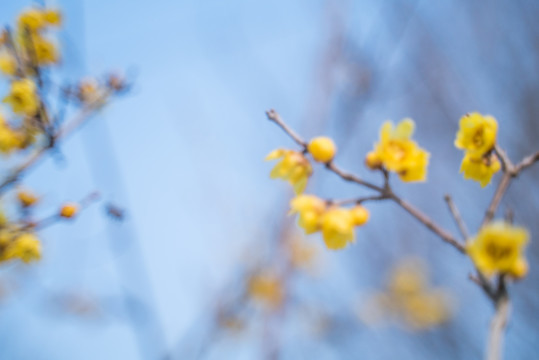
(183,153)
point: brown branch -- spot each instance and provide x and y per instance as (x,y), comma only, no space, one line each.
(425,220)
(353,178)
(498,324)
(527,162)
(457,217)
(63,132)
(276,118)
(497,198)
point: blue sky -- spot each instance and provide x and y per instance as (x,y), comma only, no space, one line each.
(183,154)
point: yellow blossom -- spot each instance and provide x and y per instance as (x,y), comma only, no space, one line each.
(23,97)
(31,19)
(25,247)
(45,51)
(8,64)
(322,149)
(69,210)
(292,167)
(360,215)
(52,17)
(397,152)
(9,138)
(480,169)
(266,288)
(27,198)
(426,310)
(337,228)
(477,134)
(310,210)
(498,248)
(302,254)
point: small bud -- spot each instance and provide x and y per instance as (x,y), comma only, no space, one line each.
(116,82)
(26,198)
(322,149)
(360,215)
(372,160)
(69,210)
(520,269)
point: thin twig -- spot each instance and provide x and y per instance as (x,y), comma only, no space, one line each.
(359,200)
(507,165)
(457,217)
(425,220)
(497,198)
(353,178)
(499,321)
(276,118)
(527,162)
(62,133)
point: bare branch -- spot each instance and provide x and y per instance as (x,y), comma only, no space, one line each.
(527,162)
(457,217)
(497,329)
(425,220)
(276,118)
(352,178)
(33,158)
(497,198)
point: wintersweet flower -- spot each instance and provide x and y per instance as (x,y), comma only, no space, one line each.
(52,17)
(360,215)
(322,149)
(31,19)
(10,139)
(480,169)
(337,228)
(23,97)
(45,51)
(397,152)
(8,64)
(27,198)
(266,288)
(69,210)
(292,167)
(310,210)
(477,134)
(25,247)
(498,248)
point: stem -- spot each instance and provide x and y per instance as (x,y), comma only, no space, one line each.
(425,220)
(498,195)
(63,132)
(456,216)
(497,329)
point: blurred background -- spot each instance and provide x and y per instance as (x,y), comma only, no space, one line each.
(204,263)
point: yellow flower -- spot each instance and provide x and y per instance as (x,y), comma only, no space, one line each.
(408,278)
(45,51)
(360,215)
(8,64)
(426,310)
(498,249)
(322,149)
(293,167)
(27,198)
(337,228)
(477,134)
(266,288)
(9,138)
(310,210)
(69,210)
(53,17)
(480,169)
(25,247)
(397,152)
(23,97)
(31,19)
